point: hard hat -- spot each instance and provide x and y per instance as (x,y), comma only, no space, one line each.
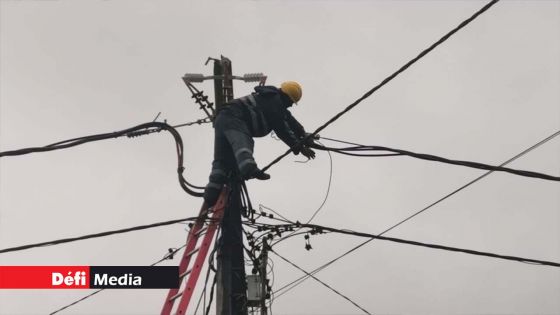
(292,89)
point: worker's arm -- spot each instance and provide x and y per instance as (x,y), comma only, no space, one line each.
(286,134)
(280,121)
(292,134)
(295,126)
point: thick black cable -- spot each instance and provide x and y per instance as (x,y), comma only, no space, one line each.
(212,293)
(434,246)
(434,158)
(210,263)
(95,235)
(323,283)
(387,80)
(299,280)
(131,132)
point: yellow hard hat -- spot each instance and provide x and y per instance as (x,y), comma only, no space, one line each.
(292,89)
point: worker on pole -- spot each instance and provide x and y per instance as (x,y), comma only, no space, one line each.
(254,115)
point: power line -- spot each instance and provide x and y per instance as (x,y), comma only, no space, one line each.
(387,80)
(429,157)
(96,235)
(328,187)
(131,132)
(76,302)
(315,227)
(320,229)
(196,122)
(323,283)
(166,257)
(299,280)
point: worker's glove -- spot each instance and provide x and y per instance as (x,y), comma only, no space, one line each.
(307,152)
(311,140)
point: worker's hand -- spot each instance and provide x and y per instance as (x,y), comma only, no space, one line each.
(311,140)
(307,152)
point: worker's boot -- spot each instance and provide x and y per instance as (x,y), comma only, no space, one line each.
(211,194)
(260,175)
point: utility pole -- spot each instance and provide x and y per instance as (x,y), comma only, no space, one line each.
(264,280)
(231,295)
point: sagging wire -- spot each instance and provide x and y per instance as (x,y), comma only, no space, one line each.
(318,229)
(291,285)
(96,235)
(386,80)
(156,126)
(429,157)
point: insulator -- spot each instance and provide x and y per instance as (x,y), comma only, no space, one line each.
(194,77)
(253,77)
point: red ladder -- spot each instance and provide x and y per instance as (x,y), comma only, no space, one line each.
(201,227)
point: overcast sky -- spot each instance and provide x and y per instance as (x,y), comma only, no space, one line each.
(75,68)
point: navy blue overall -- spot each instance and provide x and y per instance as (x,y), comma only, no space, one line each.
(254,115)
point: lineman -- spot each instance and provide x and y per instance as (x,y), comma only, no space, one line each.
(254,115)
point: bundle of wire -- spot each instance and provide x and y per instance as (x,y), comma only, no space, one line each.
(141,129)
(359,149)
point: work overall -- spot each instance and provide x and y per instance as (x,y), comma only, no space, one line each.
(235,126)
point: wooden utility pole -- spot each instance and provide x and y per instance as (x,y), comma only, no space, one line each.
(231,292)
(231,295)
(264,281)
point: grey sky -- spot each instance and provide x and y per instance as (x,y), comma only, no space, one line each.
(73,68)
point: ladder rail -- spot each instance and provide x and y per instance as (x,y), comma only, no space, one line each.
(190,276)
(198,263)
(192,240)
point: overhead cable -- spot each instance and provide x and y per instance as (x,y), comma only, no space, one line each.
(323,283)
(386,80)
(134,131)
(429,157)
(301,279)
(318,229)
(95,235)
(169,255)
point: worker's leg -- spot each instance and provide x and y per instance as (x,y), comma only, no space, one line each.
(242,145)
(218,175)
(235,130)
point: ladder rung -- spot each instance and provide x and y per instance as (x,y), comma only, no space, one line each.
(185,273)
(175,296)
(202,230)
(192,252)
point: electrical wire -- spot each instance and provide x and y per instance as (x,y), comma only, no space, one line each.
(322,203)
(323,283)
(386,80)
(168,256)
(298,281)
(328,186)
(212,293)
(95,235)
(275,212)
(319,230)
(130,132)
(430,157)
(210,263)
